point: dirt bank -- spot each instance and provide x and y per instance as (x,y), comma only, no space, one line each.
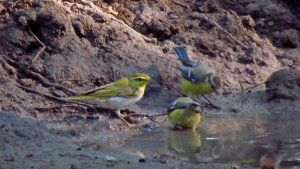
(61,48)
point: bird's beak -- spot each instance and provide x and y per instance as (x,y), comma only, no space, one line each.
(196,107)
(195,103)
(199,110)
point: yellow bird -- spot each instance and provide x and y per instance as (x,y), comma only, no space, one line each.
(118,94)
(184,113)
(198,78)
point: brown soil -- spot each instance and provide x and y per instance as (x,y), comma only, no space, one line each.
(87,46)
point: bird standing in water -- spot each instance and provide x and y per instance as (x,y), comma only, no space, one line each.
(184,113)
(118,94)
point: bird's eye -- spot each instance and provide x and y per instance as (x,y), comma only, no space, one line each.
(139,79)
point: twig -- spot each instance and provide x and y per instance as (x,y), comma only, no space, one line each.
(38,76)
(179,3)
(226,83)
(156,115)
(45,82)
(14,4)
(62,106)
(50,96)
(10,69)
(211,104)
(254,85)
(43,46)
(242,89)
(247,81)
(11,61)
(69,80)
(150,117)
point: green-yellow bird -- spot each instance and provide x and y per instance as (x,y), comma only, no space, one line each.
(184,113)
(198,78)
(118,94)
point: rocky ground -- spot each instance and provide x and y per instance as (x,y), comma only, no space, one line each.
(52,49)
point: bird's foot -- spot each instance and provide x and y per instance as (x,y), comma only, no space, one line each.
(178,127)
(123,118)
(212,106)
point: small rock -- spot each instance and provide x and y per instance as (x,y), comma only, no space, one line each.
(38,68)
(291,54)
(248,21)
(276,34)
(196,15)
(284,84)
(167,46)
(27,82)
(250,71)
(267,162)
(2,9)
(98,18)
(163,158)
(22,21)
(229,66)
(173,16)
(235,167)
(9,159)
(270,23)
(78,27)
(235,109)
(29,155)
(142,160)
(16,37)
(6,15)
(50,74)
(111,159)
(253,9)
(248,57)
(290,38)
(73,166)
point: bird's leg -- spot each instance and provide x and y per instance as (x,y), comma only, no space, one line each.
(150,117)
(118,113)
(211,104)
(177,127)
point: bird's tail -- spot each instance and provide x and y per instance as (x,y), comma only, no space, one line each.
(183,56)
(80,98)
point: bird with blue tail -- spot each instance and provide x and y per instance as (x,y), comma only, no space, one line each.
(198,78)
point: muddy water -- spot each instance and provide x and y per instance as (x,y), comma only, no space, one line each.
(245,143)
(221,139)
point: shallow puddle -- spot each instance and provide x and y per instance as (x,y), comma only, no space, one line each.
(223,140)
(220,139)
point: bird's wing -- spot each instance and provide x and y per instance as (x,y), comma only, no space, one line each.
(98,88)
(180,103)
(196,74)
(111,89)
